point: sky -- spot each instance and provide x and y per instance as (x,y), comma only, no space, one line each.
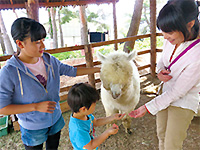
(123,8)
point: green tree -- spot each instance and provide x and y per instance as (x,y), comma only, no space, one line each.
(60,29)
(97,18)
(6,39)
(68,15)
(50,31)
(134,25)
(145,18)
(53,21)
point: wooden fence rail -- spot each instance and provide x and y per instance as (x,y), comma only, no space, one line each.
(90,62)
(98,44)
(87,49)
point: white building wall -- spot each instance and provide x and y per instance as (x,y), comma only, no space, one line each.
(71,33)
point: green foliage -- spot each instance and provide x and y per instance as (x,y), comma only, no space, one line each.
(92,16)
(97,18)
(141,44)
(105,49)
(159,42)
(102,27)
(68,55)
(145,22)
(145,43)
(68,15)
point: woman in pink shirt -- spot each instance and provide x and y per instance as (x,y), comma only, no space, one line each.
(178,103)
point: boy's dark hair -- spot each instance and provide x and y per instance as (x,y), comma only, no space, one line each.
(23,28)
(82,95)
(175,15)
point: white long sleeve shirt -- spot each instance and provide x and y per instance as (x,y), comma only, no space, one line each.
(184,87)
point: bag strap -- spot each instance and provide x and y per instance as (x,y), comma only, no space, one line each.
(183,52)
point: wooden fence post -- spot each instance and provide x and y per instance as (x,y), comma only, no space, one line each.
(153,36)
(89,63)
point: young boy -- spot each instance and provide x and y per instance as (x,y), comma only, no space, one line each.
(82,100)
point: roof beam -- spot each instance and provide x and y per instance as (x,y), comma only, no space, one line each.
(56,4)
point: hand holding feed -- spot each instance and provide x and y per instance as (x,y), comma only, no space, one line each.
(140,112)
(46,106)
(164,76)
(118,116)
(112,130)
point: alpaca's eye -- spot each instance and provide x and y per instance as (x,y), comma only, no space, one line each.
(124,86)
(106,86)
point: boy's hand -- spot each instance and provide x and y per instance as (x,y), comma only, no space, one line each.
(118,116)
(113,130)
(101,138)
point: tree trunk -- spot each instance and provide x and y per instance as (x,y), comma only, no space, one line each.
(53,19)
(32,8)
(115,24)
(134,26)
(7,42)
(60,28)
(145,16)
(84,28)
(84,41)
(50,30)
(15,13)
(2,42)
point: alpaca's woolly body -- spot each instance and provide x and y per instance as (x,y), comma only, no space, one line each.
(119,75)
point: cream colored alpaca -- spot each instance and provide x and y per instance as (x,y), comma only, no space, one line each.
(120,85)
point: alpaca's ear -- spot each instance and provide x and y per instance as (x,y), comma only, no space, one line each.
(132,55)
(100,56)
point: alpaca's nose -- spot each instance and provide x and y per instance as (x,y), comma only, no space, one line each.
(115,90)
(115,95)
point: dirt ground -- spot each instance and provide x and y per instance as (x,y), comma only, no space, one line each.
(142,138)
(144,129)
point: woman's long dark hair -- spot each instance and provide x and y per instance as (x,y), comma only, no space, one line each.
(23,28)
(175,15)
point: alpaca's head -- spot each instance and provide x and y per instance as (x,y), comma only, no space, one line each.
(116,72)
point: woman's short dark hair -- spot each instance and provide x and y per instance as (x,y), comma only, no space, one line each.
(82,95)
(175,15)
(23,28)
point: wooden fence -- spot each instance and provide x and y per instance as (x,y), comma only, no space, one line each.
(90,63)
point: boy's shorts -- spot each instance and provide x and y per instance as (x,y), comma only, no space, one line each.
(37,137)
